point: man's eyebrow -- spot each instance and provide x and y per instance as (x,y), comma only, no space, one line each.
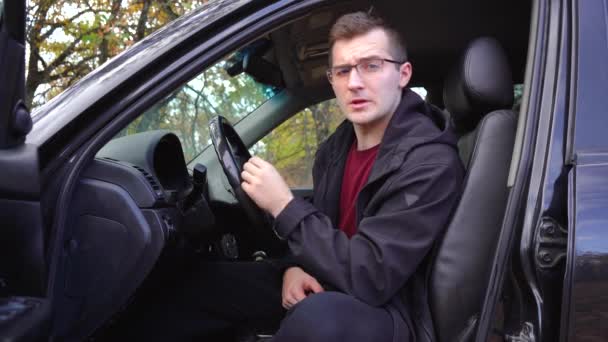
(359,60)
(371,57)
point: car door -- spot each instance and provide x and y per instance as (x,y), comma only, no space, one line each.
(554,230)
(24,311)
(585,304)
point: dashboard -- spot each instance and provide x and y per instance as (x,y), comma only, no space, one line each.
(128,204)
(158,156)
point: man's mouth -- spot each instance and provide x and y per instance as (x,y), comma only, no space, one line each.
(358,102)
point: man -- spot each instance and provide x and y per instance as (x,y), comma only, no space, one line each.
(385,184)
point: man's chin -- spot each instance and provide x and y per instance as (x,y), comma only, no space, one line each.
(359,118)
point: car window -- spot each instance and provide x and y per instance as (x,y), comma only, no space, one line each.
(420,91)
(518,91)
(291,147)
(187,111)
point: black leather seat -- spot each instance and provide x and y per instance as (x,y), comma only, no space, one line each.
(479,95)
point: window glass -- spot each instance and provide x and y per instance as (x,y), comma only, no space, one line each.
(420,91)
(291,147)
(187,111)
(518,92)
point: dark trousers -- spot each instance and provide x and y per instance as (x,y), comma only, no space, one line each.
(218,296)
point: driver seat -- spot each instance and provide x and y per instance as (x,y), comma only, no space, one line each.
(478,94)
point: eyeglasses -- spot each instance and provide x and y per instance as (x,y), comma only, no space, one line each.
(365,67)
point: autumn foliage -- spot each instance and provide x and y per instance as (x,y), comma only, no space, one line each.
(69,38)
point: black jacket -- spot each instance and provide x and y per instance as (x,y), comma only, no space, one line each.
(403,208)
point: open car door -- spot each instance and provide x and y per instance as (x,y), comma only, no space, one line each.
(24,310)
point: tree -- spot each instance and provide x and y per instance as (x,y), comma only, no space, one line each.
(187,111)
(69,38)
(291,147)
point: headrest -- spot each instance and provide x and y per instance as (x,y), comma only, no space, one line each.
(479,84)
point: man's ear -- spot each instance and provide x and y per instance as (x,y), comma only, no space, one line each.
(405,74)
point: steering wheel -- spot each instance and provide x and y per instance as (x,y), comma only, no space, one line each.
(232,155)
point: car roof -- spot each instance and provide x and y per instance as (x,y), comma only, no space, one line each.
(436,32)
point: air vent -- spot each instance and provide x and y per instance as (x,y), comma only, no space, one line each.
(151,180)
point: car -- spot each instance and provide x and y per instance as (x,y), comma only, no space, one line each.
(113,188)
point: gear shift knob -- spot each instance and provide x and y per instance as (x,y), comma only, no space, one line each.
(199,174)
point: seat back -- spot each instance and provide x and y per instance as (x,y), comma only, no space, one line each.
(478,94)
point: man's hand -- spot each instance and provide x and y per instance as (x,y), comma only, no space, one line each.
(265,186)
(297,284)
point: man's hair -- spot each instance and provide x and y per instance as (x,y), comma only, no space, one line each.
(355,24)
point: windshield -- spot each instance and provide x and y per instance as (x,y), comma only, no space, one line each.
(187,111)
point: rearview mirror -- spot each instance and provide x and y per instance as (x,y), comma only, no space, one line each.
(250,60)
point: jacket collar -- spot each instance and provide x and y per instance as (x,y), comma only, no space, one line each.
(400,137)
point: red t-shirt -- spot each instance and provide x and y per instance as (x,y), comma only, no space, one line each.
(356,172)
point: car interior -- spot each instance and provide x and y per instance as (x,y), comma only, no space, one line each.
(162,193)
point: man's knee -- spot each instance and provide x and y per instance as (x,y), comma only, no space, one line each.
(319,317)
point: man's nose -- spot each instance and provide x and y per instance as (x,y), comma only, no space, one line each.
(354,79)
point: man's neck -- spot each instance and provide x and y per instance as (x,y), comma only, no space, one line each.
(371,134)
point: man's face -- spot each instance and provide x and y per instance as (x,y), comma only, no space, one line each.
(368,98)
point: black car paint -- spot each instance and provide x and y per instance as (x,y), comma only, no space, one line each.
(567,178)
(518,202)
(24,312)
(15,120)
(545,199)
(587,271)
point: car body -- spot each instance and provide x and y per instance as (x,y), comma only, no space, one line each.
(67,274)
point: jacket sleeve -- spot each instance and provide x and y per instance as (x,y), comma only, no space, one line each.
(390,242)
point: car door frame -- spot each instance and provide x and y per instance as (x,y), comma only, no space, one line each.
(23,302)
(584,304)
(538,153)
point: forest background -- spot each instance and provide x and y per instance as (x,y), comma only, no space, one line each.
(67,39)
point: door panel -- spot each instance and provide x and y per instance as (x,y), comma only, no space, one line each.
(585,303)
(586,282)
(111,247)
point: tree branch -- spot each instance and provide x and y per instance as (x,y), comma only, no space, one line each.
(141,23)
(55,25)
(68,51)
(166,7)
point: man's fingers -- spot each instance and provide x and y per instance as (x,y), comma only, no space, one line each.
(257,161)
(289,301)
(298,294)
(247,176)
(247,188)
(250,167)
(314,286)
